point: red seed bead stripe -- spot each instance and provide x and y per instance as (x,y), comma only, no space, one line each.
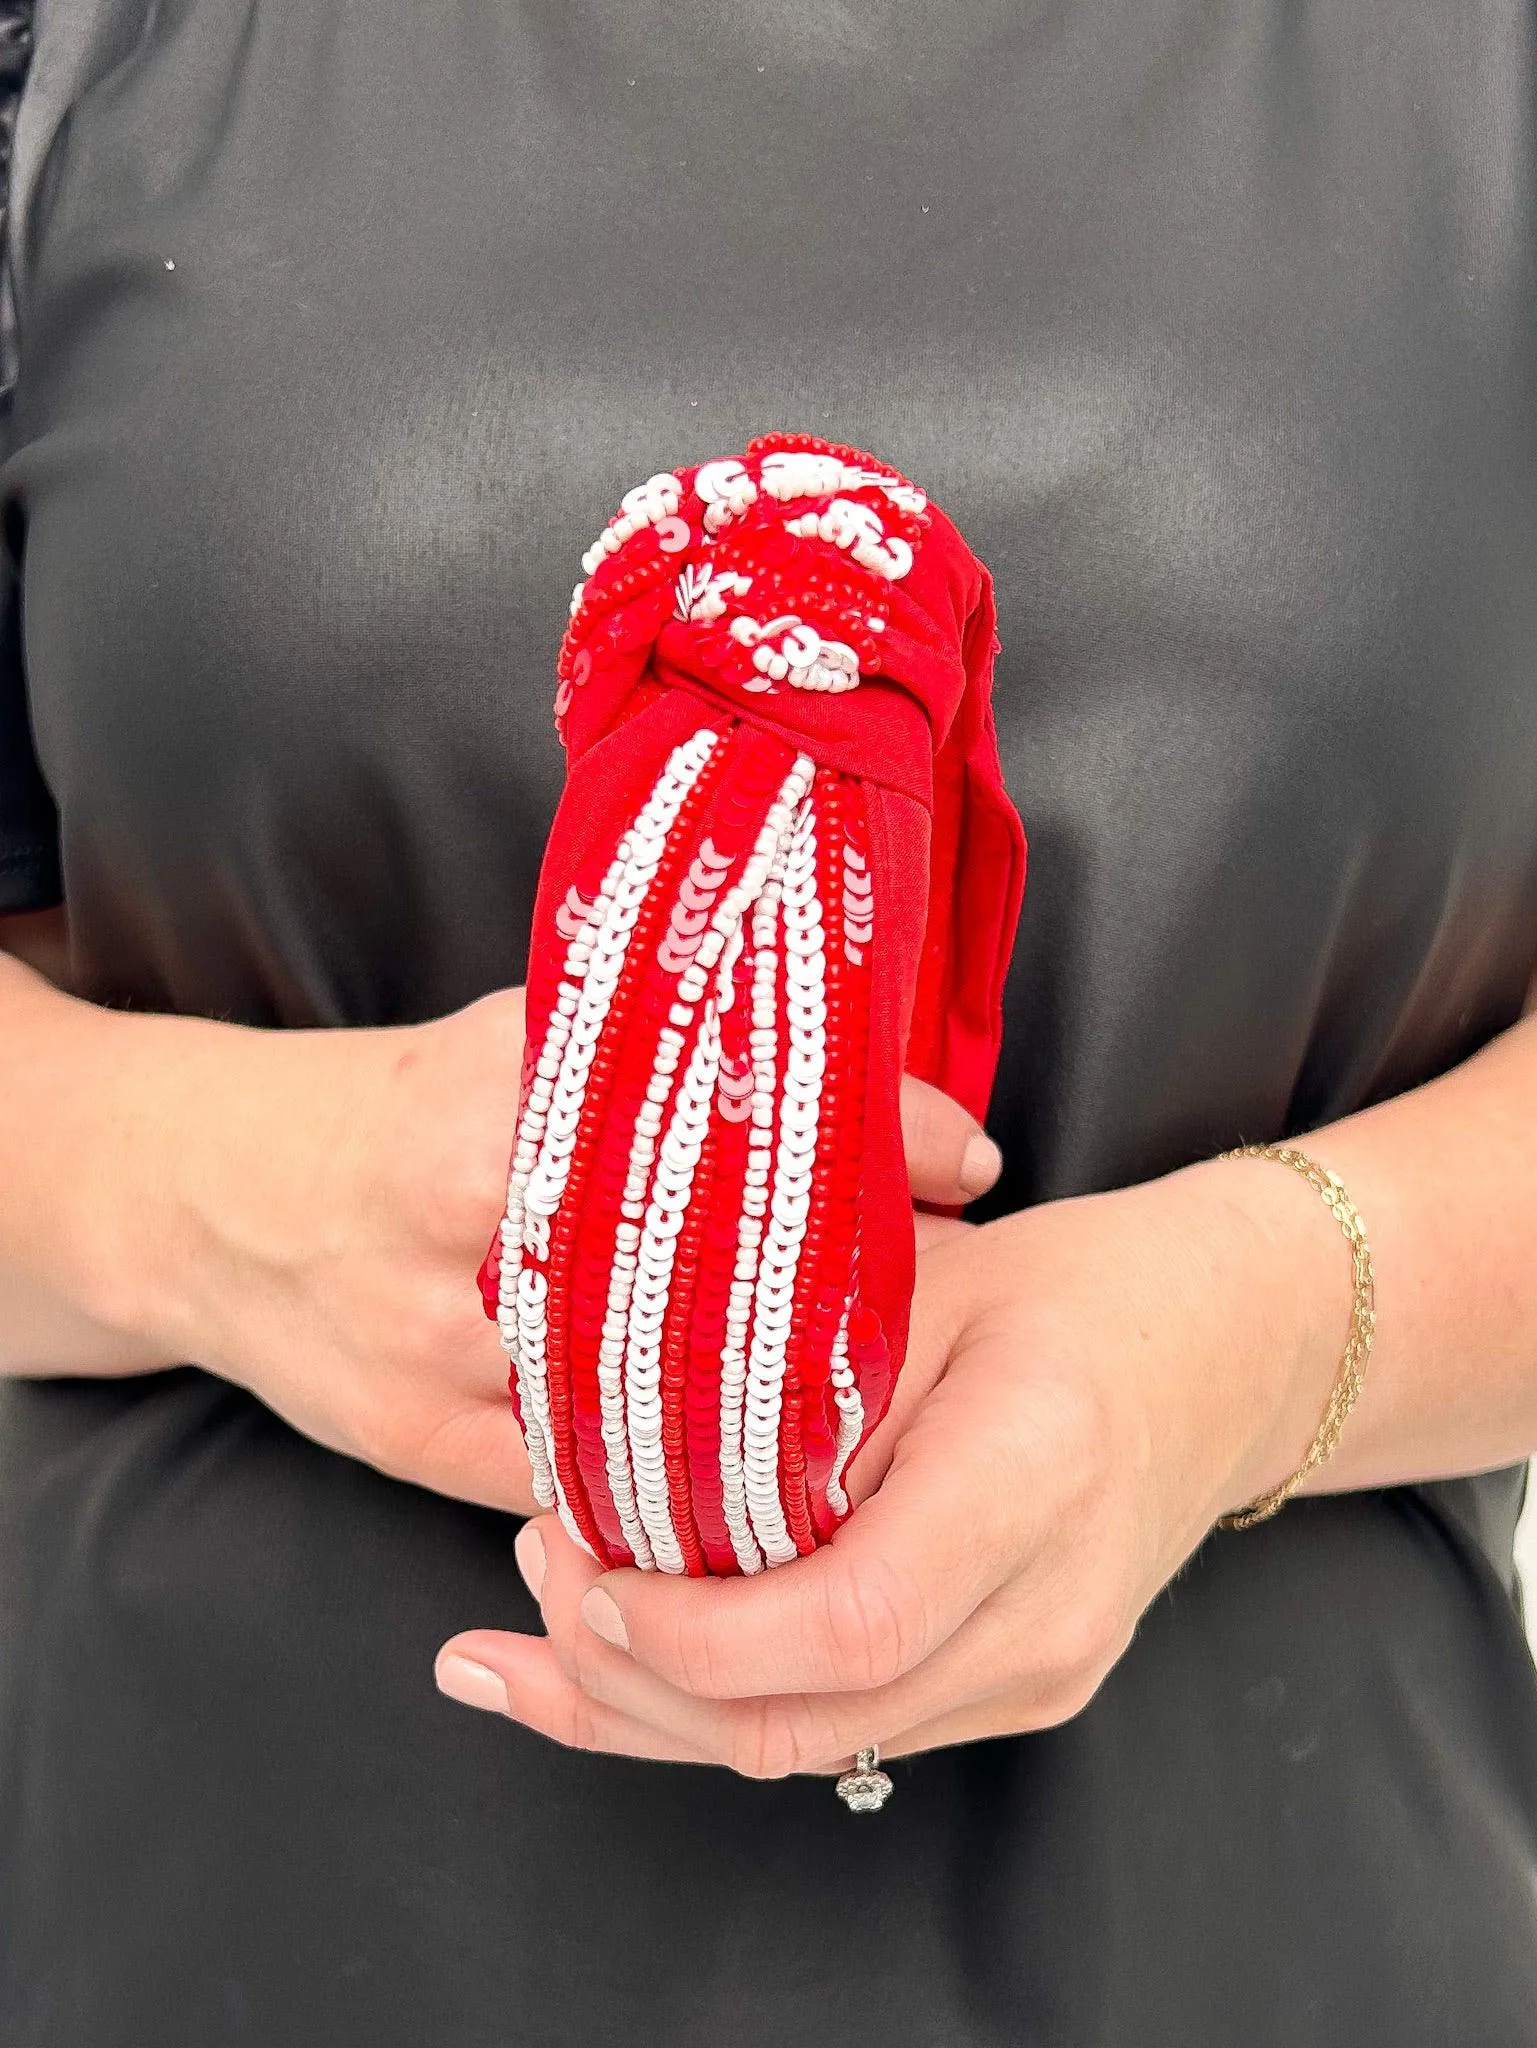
(822,1299)
(717,1258)
(802,1389)
(675,1361)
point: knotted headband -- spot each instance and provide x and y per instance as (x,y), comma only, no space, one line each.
(783,869)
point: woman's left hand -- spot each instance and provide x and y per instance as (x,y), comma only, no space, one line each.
(1088,1385)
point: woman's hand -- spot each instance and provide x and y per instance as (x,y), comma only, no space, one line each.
(333,1218)
(324,1215)
(1088,1386)
(302,1212)
(331,1231)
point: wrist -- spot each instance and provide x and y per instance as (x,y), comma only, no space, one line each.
(79,1214)
(1289,1289)
(144,1109)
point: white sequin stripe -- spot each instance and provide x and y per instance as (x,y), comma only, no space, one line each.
(622,1275)
(650,1285)
(851,1417)
(670,1191)
(575,1029)
(763,1041)
(805,1063)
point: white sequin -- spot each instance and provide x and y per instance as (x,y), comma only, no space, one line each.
(851,1417)
(783,1238)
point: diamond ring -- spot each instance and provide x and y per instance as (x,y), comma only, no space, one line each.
(866,1788)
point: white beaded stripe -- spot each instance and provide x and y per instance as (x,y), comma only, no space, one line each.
(599,964)
(524,1155)
(657,499)
(861,532)
(515,1222)
(805,1012)
(616,1335)
(799,473)
(851,1417)
(533,1332)
(787,650)
(717,950)
(547,1131)
(621,1284)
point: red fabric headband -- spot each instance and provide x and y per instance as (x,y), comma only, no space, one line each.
(783,868)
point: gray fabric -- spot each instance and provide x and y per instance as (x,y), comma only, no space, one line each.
(342,327)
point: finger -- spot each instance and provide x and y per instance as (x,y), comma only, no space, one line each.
(950,1158)
(894,1584)
(982,1670)
(930,1229)
(607,1674)
(982,1721)
(520,1677)
(475,1452)
(977,1683)
(761,1738)
(1015,1711)
(1001,1672)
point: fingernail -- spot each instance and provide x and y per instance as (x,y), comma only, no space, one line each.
(604,1618)
(528,1549)
(471,1684)
(981,1164)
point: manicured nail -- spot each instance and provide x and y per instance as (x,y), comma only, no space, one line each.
(604,1618)
(528,1549)
(471,1684)
(981,1164)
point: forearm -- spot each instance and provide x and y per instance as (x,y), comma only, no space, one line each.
(1445,1179)
(87,1097)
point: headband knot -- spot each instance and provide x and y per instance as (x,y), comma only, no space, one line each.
(770,583)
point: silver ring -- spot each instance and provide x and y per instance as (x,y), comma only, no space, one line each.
(866,1788)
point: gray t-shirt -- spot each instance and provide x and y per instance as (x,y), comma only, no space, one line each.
(338,331)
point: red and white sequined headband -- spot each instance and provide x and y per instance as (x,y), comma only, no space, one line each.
(784,868)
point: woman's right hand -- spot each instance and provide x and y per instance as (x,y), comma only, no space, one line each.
(323,1217)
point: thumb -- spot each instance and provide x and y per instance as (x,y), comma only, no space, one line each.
(950,1158)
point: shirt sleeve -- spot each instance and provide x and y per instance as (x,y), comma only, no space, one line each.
(29,824)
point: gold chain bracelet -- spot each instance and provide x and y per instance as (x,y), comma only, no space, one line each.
(1358,1345)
